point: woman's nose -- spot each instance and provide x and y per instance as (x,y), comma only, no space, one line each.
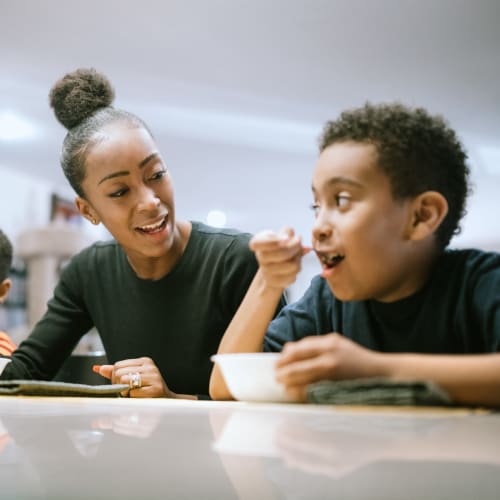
(148,199)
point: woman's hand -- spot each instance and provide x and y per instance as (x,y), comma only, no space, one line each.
(324,357)
(151,384)
(279,256)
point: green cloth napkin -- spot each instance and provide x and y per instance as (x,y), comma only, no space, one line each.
(377,391)
(51,388)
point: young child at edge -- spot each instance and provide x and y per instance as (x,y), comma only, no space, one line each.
(7,347)
(392,300)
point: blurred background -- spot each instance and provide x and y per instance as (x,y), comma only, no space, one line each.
(236,93)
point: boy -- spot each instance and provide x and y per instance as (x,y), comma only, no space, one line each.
(6,344)
(389,191)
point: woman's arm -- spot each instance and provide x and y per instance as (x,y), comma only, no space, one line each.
(53,338)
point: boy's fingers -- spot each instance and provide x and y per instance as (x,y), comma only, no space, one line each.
(297,393)
(310,347)
(278,255)
(303,349)
(300,373)
(269,239)
(258,244)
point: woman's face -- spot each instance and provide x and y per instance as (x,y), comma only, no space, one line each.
(128,188)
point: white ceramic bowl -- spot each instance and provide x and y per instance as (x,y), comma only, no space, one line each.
(251,376)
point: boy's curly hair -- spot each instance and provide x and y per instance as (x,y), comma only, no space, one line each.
(417,151)
(5,256)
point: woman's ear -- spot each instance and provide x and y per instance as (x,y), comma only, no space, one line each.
(86,210)
(428,211)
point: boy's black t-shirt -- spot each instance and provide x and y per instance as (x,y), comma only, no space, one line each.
(457,312)
(178,320)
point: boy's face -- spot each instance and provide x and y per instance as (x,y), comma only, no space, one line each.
(361,232)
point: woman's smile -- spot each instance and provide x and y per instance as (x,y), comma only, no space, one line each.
(154,228)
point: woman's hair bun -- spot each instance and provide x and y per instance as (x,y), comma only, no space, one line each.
(79,94)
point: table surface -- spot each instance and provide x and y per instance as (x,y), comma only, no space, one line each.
(62,448)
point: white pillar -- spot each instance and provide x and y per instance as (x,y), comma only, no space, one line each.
(44,250)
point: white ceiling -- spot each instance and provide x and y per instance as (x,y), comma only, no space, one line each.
(236,91)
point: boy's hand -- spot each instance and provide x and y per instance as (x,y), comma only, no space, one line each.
(150,380)
(323,357)
(279,256)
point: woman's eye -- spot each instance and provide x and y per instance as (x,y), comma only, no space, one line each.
(158,175)
(119,193)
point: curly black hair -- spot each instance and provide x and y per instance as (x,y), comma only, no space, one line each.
(82,103)
(5,256)
(417,151)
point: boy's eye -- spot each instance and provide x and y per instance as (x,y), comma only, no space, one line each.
(315,208)
(119,193)
(342,200)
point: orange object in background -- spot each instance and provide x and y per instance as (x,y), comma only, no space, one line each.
(7,347)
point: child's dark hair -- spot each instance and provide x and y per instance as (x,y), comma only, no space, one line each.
(417,151)
(82,103)
(5,256)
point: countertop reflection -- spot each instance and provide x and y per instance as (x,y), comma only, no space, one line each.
(60,448)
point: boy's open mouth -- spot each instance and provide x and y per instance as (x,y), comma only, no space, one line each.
(329,260)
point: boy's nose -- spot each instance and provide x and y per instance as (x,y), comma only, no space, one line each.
(322,228)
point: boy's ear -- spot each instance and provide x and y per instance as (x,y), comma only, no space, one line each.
(86,210)
(4,289)
(428,211)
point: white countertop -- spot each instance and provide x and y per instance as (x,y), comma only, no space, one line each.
(62,448)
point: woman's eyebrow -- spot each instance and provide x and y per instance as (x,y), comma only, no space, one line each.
(148,159)
(114,174)
(142,164)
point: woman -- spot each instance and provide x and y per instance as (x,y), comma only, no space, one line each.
(163,292)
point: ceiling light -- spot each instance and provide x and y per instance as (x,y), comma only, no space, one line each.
(216,218)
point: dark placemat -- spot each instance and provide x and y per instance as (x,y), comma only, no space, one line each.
(377,391)
(51,388)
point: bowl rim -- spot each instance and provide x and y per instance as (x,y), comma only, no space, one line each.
(250,355)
